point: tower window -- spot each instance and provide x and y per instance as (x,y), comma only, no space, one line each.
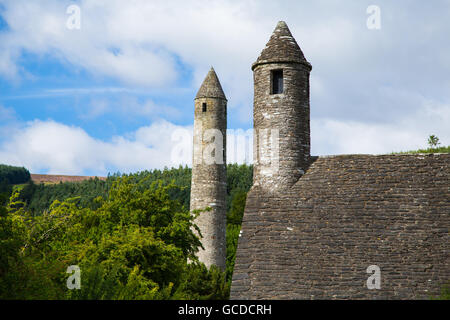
(204,107)
(277,81)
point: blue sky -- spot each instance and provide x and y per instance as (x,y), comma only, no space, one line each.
(117,94)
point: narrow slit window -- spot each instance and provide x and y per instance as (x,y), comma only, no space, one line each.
(277,81)
(204,107)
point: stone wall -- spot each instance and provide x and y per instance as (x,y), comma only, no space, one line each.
(345,214)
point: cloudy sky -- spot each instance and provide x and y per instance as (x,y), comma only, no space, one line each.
(116,94)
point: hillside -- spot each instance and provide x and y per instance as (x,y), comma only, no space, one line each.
(50,178)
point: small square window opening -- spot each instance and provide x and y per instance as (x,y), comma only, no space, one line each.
(277,81)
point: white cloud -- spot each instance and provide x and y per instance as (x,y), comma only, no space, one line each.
(55,148)
(51,147)
(40,27)
(330,136)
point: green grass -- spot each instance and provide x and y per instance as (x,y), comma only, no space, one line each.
(429,150)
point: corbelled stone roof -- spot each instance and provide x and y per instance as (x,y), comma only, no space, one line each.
(211,87)
(281,47)
(345,214)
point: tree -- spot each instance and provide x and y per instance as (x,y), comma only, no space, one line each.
(236,211)
(5,191)
(433,141)
(13,271)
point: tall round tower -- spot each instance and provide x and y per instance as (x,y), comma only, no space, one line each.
(281,149)
(209,186)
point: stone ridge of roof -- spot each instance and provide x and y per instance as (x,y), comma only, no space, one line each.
(380,155)
(367,163)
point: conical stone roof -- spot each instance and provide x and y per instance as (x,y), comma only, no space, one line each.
(281,47)
(211,87)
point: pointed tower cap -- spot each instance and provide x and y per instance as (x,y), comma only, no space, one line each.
(281,47)
(211,87)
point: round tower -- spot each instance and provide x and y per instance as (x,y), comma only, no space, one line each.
(281,149)
(209,186)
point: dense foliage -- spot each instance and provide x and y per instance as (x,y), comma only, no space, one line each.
(14,175)
(135,245)
(130,235)
(5,191)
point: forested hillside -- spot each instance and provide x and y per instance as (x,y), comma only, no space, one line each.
(14,175)
(131,235)
(40,197)
(10,176)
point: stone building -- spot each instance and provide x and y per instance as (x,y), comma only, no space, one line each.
(281,112)
(316,227)
(209,186)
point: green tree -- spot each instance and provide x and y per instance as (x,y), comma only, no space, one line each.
(433,141)
(5,191)
(14,272)
(234,221)
(236,211)
(233,231)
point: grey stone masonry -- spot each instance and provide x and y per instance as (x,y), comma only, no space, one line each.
(281,120)
(347,213)
(208,187)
